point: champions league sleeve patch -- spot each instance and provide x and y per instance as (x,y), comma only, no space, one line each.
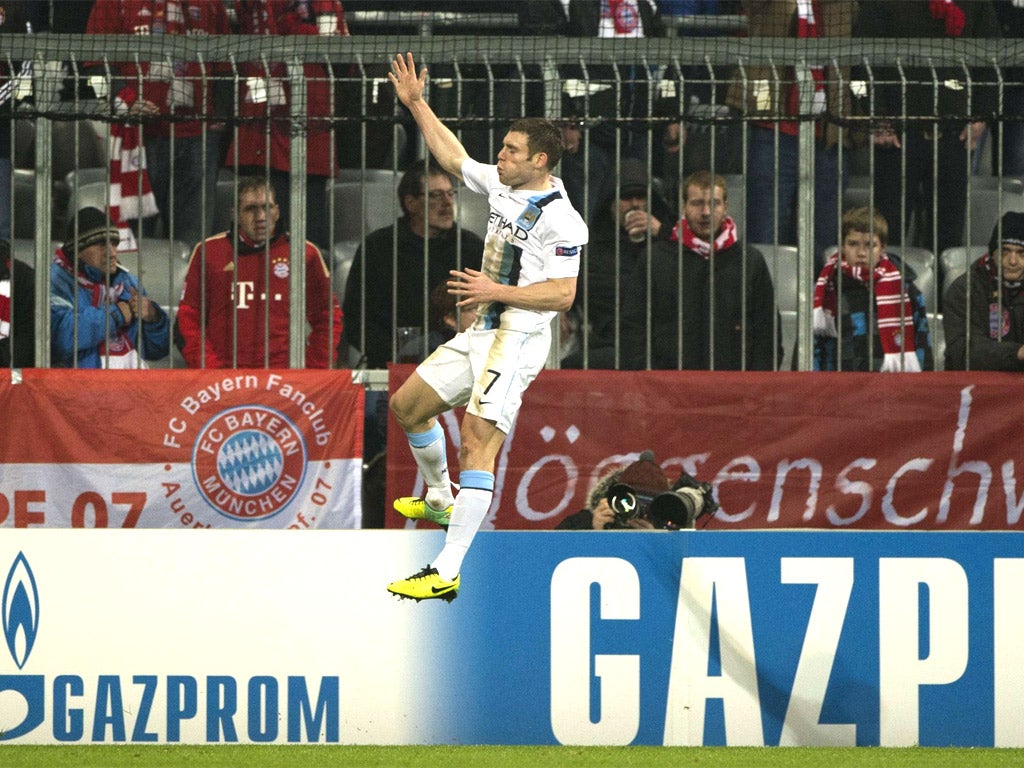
(568,251)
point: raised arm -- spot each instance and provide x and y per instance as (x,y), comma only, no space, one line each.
(442,143)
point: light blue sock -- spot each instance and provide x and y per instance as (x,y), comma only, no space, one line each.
(428,449)
(476,491)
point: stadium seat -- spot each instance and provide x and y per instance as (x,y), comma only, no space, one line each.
(342,254)
(938,340)
(351,215)
(24,188)
(988,202)
(922,262)
(472,211)
(78,145)
(782,263)
(93,193)
(737,201)
(376,175)
(857,193)
(23,249)
(160,266)
(955,261)
(788,324)
(225,204)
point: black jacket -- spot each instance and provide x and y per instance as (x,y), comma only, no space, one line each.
(913,19)
(412,289)
(23,315)
(987,353)
(689,295)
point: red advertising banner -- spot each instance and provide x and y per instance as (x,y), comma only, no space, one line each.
(188,448)
(782,450)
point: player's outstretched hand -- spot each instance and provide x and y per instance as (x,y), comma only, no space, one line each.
(408,85)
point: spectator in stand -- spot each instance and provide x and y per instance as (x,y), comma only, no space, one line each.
(100,317)
(225,285)
(623,112)
(772,175)
(867,289)
(17,311)
(403,262)
(704,276)
(920,139)
(1010,14)
(584,167)
(15,18)
(184,89)
(266,92)
(988,334)
(625,221)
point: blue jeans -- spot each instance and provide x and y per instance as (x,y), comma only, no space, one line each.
(190,178)
(5,198)
(766,178)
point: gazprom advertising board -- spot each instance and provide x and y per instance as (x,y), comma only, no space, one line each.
(681,638)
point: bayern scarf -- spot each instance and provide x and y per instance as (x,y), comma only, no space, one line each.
(894,313)
(807,28)
(726,237)
(131,194)
(5,303)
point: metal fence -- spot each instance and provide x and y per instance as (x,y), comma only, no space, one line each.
(624,96)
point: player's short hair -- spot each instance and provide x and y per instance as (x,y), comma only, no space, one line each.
(863,220)
(702,180)
(254,183)
(415,178)
(541,136)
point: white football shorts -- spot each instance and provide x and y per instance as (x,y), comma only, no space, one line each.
(487,371)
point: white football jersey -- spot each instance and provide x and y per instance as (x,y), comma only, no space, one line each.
(532,236)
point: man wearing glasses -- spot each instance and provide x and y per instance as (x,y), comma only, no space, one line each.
(420,248)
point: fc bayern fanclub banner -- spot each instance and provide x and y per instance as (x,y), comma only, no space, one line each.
(182,448)
(683,638)
(782,450)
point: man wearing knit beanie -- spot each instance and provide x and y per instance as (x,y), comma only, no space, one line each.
(989,335)
(100,316)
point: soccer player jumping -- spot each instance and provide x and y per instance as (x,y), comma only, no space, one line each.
(530,262)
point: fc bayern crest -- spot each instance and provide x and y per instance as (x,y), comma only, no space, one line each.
(249,462)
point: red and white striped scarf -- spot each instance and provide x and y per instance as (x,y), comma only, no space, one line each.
(726,237)
(807,15)
(128,177)
(5,303)
(893,311)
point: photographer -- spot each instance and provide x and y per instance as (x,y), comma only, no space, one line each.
(641,497)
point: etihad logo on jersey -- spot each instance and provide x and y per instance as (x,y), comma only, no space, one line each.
(137,706)
(506,229)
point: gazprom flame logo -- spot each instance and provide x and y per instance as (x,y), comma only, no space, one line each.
(249,462)
(20,611)
(20,616)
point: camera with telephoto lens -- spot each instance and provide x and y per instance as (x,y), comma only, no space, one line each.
(672,510)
